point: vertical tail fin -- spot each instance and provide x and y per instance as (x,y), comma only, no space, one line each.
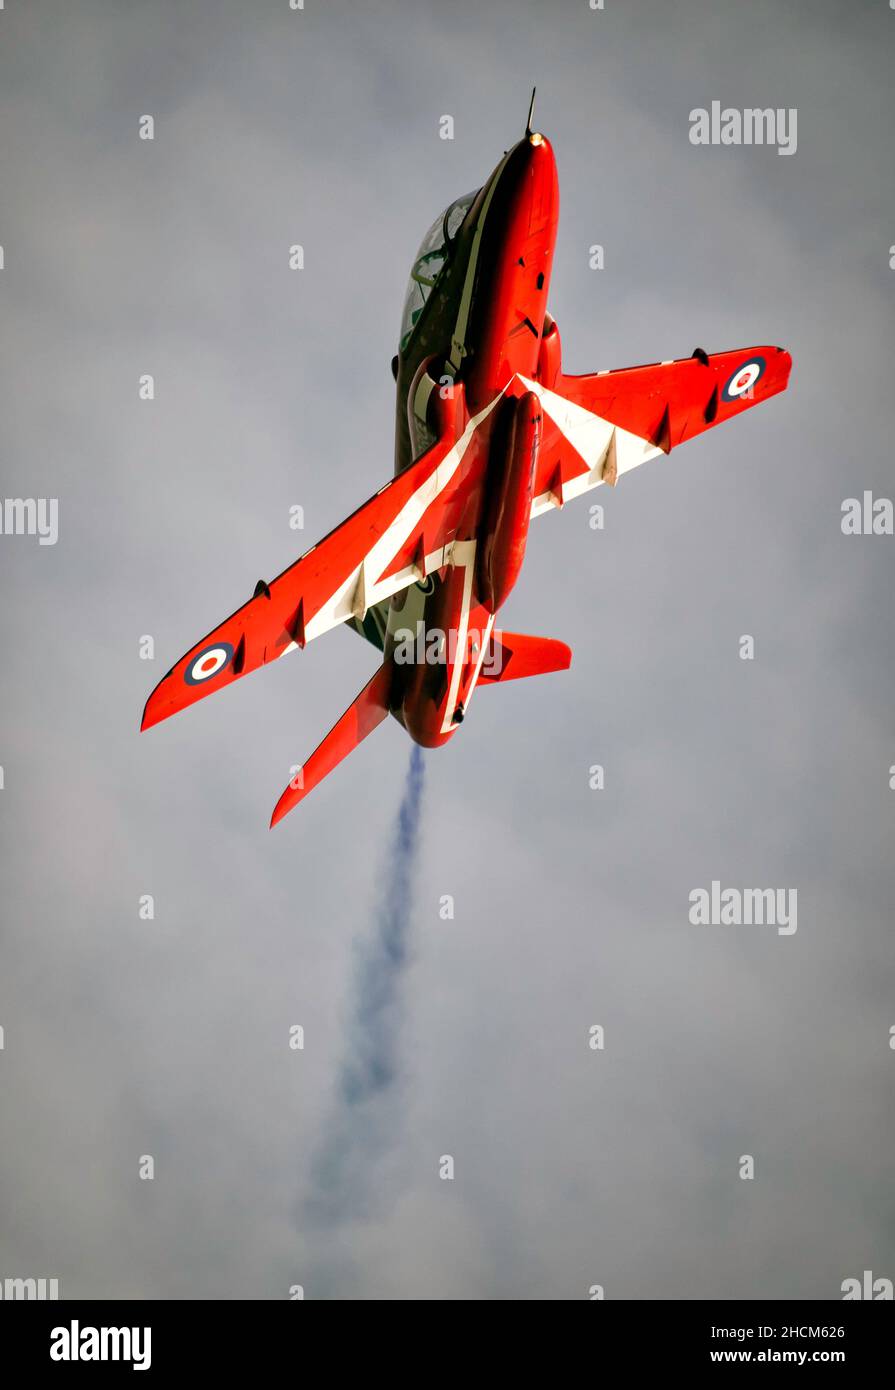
(362,716)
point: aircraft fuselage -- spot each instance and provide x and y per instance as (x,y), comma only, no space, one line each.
(479,331)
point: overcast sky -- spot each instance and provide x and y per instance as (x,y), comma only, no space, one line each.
(170,1037)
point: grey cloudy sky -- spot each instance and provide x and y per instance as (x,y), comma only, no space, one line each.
(170,1038)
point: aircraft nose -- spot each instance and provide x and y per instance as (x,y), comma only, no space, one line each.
(542,181)
(538,146)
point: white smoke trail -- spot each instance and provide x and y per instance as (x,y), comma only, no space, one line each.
(366,1116)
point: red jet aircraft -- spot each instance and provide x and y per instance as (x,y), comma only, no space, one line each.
(490,434)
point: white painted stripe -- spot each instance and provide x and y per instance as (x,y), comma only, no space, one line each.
(464,554)
(589,435)
(341,604)
(478,666)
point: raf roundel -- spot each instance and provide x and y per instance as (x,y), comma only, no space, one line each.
(743,379)
(208,663)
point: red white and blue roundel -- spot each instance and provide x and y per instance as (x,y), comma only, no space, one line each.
(743,379)
(208,663)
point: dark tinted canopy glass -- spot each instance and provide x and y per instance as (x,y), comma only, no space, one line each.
(431,258)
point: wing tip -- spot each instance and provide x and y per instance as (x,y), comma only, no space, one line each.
(151,716)
(283,807)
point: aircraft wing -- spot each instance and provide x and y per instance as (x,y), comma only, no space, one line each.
(396,538)
(600,426)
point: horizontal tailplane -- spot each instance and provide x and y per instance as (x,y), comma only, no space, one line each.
(360,719)
(513,655)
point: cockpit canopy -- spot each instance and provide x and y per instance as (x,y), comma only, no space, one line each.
(431,258)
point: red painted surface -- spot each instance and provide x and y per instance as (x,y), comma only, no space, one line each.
(463,508)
